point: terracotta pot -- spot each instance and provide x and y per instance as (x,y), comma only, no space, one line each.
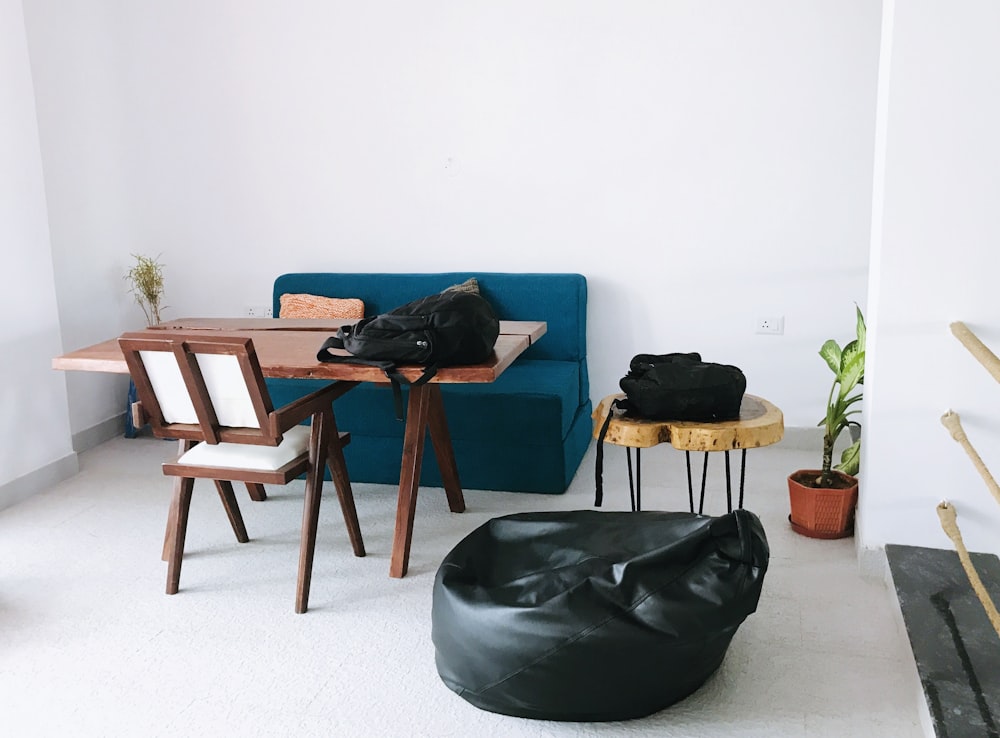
(822,512)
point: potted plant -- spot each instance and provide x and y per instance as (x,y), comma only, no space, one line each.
(145,280)
(823,500)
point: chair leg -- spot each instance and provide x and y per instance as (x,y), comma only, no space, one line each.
(179,508)
(257,493)
(342,482)
(168,534)
(228,497)
(182,447)
(318,442)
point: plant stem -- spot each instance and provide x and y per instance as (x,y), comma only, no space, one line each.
(826,477)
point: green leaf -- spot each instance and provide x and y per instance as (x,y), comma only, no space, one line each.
(831,355)
(853,370)
(850,460)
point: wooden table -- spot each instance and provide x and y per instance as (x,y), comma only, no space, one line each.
(287,349)
(760,424)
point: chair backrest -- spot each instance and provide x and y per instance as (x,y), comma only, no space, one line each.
(200,386)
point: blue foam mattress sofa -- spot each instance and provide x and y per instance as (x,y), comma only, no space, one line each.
(526,432)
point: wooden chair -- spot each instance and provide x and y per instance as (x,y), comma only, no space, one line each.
(208,391)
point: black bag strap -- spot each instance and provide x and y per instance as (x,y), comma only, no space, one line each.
(599,466)
(331,342)
(388,368)
(396,380)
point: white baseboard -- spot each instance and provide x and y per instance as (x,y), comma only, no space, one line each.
(39,480)
(803,438)
(95,435)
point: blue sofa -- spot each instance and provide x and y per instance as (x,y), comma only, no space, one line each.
(526,432)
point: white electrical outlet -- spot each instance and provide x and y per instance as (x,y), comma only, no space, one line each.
(770,324)
(259,311)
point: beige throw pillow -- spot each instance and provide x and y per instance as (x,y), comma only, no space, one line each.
(315,306)
(469,285)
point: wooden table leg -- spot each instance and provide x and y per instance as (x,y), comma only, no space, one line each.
(417,412)
(443,451)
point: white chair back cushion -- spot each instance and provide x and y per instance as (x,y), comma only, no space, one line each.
(223,377)
(244,456)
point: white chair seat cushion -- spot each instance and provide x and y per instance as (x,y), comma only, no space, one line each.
(245,456)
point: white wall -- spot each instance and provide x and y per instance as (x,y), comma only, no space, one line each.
(34,422)
(937,262)
(701,162)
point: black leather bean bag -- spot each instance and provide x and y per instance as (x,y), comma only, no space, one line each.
(588,615)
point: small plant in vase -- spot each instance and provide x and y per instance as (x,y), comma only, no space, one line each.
(823,500)
(145,280)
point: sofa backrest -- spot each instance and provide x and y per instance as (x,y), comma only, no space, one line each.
(560,299)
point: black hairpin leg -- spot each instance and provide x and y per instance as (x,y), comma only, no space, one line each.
(687,458)
(729,483)
(634,489)
(635,482)
(704,473)
(743,475)
(638,480)
(729,486)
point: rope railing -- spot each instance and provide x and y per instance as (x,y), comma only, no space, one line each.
(949,522)
(947,513)
(977,348)
(953,423)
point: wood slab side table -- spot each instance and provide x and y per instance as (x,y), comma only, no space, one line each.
(760,424)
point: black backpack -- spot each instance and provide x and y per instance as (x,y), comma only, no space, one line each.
(682,387)
(447,329)
(675,387)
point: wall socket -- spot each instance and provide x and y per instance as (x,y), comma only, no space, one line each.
(770,324)
(259,311)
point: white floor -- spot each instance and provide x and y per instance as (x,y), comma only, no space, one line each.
(91,646)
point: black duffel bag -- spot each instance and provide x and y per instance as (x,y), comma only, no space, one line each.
(682,387)
(587,616)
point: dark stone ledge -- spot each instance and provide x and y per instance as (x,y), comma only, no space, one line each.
(955,647)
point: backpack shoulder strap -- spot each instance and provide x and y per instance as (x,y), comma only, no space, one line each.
(388,367)
(397,379)
(599,466)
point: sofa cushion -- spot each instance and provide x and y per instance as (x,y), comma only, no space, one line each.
(532,400)
(493,463)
